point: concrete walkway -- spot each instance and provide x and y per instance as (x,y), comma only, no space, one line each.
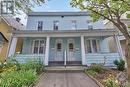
(65,80)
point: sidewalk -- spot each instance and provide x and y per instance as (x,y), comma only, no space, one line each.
(66,80)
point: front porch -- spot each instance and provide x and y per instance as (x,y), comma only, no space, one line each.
(65,48)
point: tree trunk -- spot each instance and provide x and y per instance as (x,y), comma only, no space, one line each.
(127,55)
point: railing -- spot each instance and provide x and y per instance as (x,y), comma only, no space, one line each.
(22,58)
(65,57)
(106,58)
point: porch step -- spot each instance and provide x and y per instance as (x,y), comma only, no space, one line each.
(65,69)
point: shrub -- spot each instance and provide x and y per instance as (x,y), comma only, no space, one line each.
(91,72)
(120,64)
(111,83)
(33,64)
(20,78)
(97,68)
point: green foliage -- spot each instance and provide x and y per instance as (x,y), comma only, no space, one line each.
(120,64)
(27,5)
(105,9)
(111,83)
(127,84)
(20,78)
(33,64)
(91,72)
(128,15)
(97,68)
(10,65)
(15,74)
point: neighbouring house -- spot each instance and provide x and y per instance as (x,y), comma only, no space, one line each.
(65,38)
(7,23)
(110,25)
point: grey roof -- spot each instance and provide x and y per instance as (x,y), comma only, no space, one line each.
(59,13)
(12,22)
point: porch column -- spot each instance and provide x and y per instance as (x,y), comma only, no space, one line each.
(83,51)
(119,46)
(47,51)
(12,47)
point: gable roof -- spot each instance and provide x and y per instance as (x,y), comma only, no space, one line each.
(12,22)
(2,38)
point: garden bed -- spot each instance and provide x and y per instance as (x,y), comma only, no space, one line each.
(14,74)
(105,77)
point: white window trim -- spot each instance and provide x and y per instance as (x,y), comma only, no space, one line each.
(72,27)
(37,24)
(55,24)
(33,42)
(97,42)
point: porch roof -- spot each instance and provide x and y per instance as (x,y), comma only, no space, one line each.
(62,33)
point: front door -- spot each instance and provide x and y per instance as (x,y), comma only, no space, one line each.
(65,51)
(71,53)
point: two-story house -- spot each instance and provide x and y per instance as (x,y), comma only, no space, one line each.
(65,38)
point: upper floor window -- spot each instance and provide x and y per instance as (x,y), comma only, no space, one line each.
(55,25)
(92,46)
(38,46)
(89,22)
(74,24)
(40,25)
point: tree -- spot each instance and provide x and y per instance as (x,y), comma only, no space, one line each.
(18,6)
(111,10)
(26,5)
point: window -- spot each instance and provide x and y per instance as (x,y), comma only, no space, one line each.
(88,49)
(59,47)
(40,25)
(56,24)
(74,25)
(71,44)
(92,46)
(89,22)
(38,46)
(59,44)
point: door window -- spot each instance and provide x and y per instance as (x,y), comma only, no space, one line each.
(71,45)
(59,45)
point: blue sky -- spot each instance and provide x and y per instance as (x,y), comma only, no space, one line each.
(56,5)
(51,6)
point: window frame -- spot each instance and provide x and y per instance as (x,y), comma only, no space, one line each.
(90,25)
(91,45)
(38,25)
(59,41)
(71,41)
(74,24)
(56,25)
(33,45)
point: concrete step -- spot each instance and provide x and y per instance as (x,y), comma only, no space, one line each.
(65,69)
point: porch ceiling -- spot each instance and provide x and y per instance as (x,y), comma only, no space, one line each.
(63,33)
